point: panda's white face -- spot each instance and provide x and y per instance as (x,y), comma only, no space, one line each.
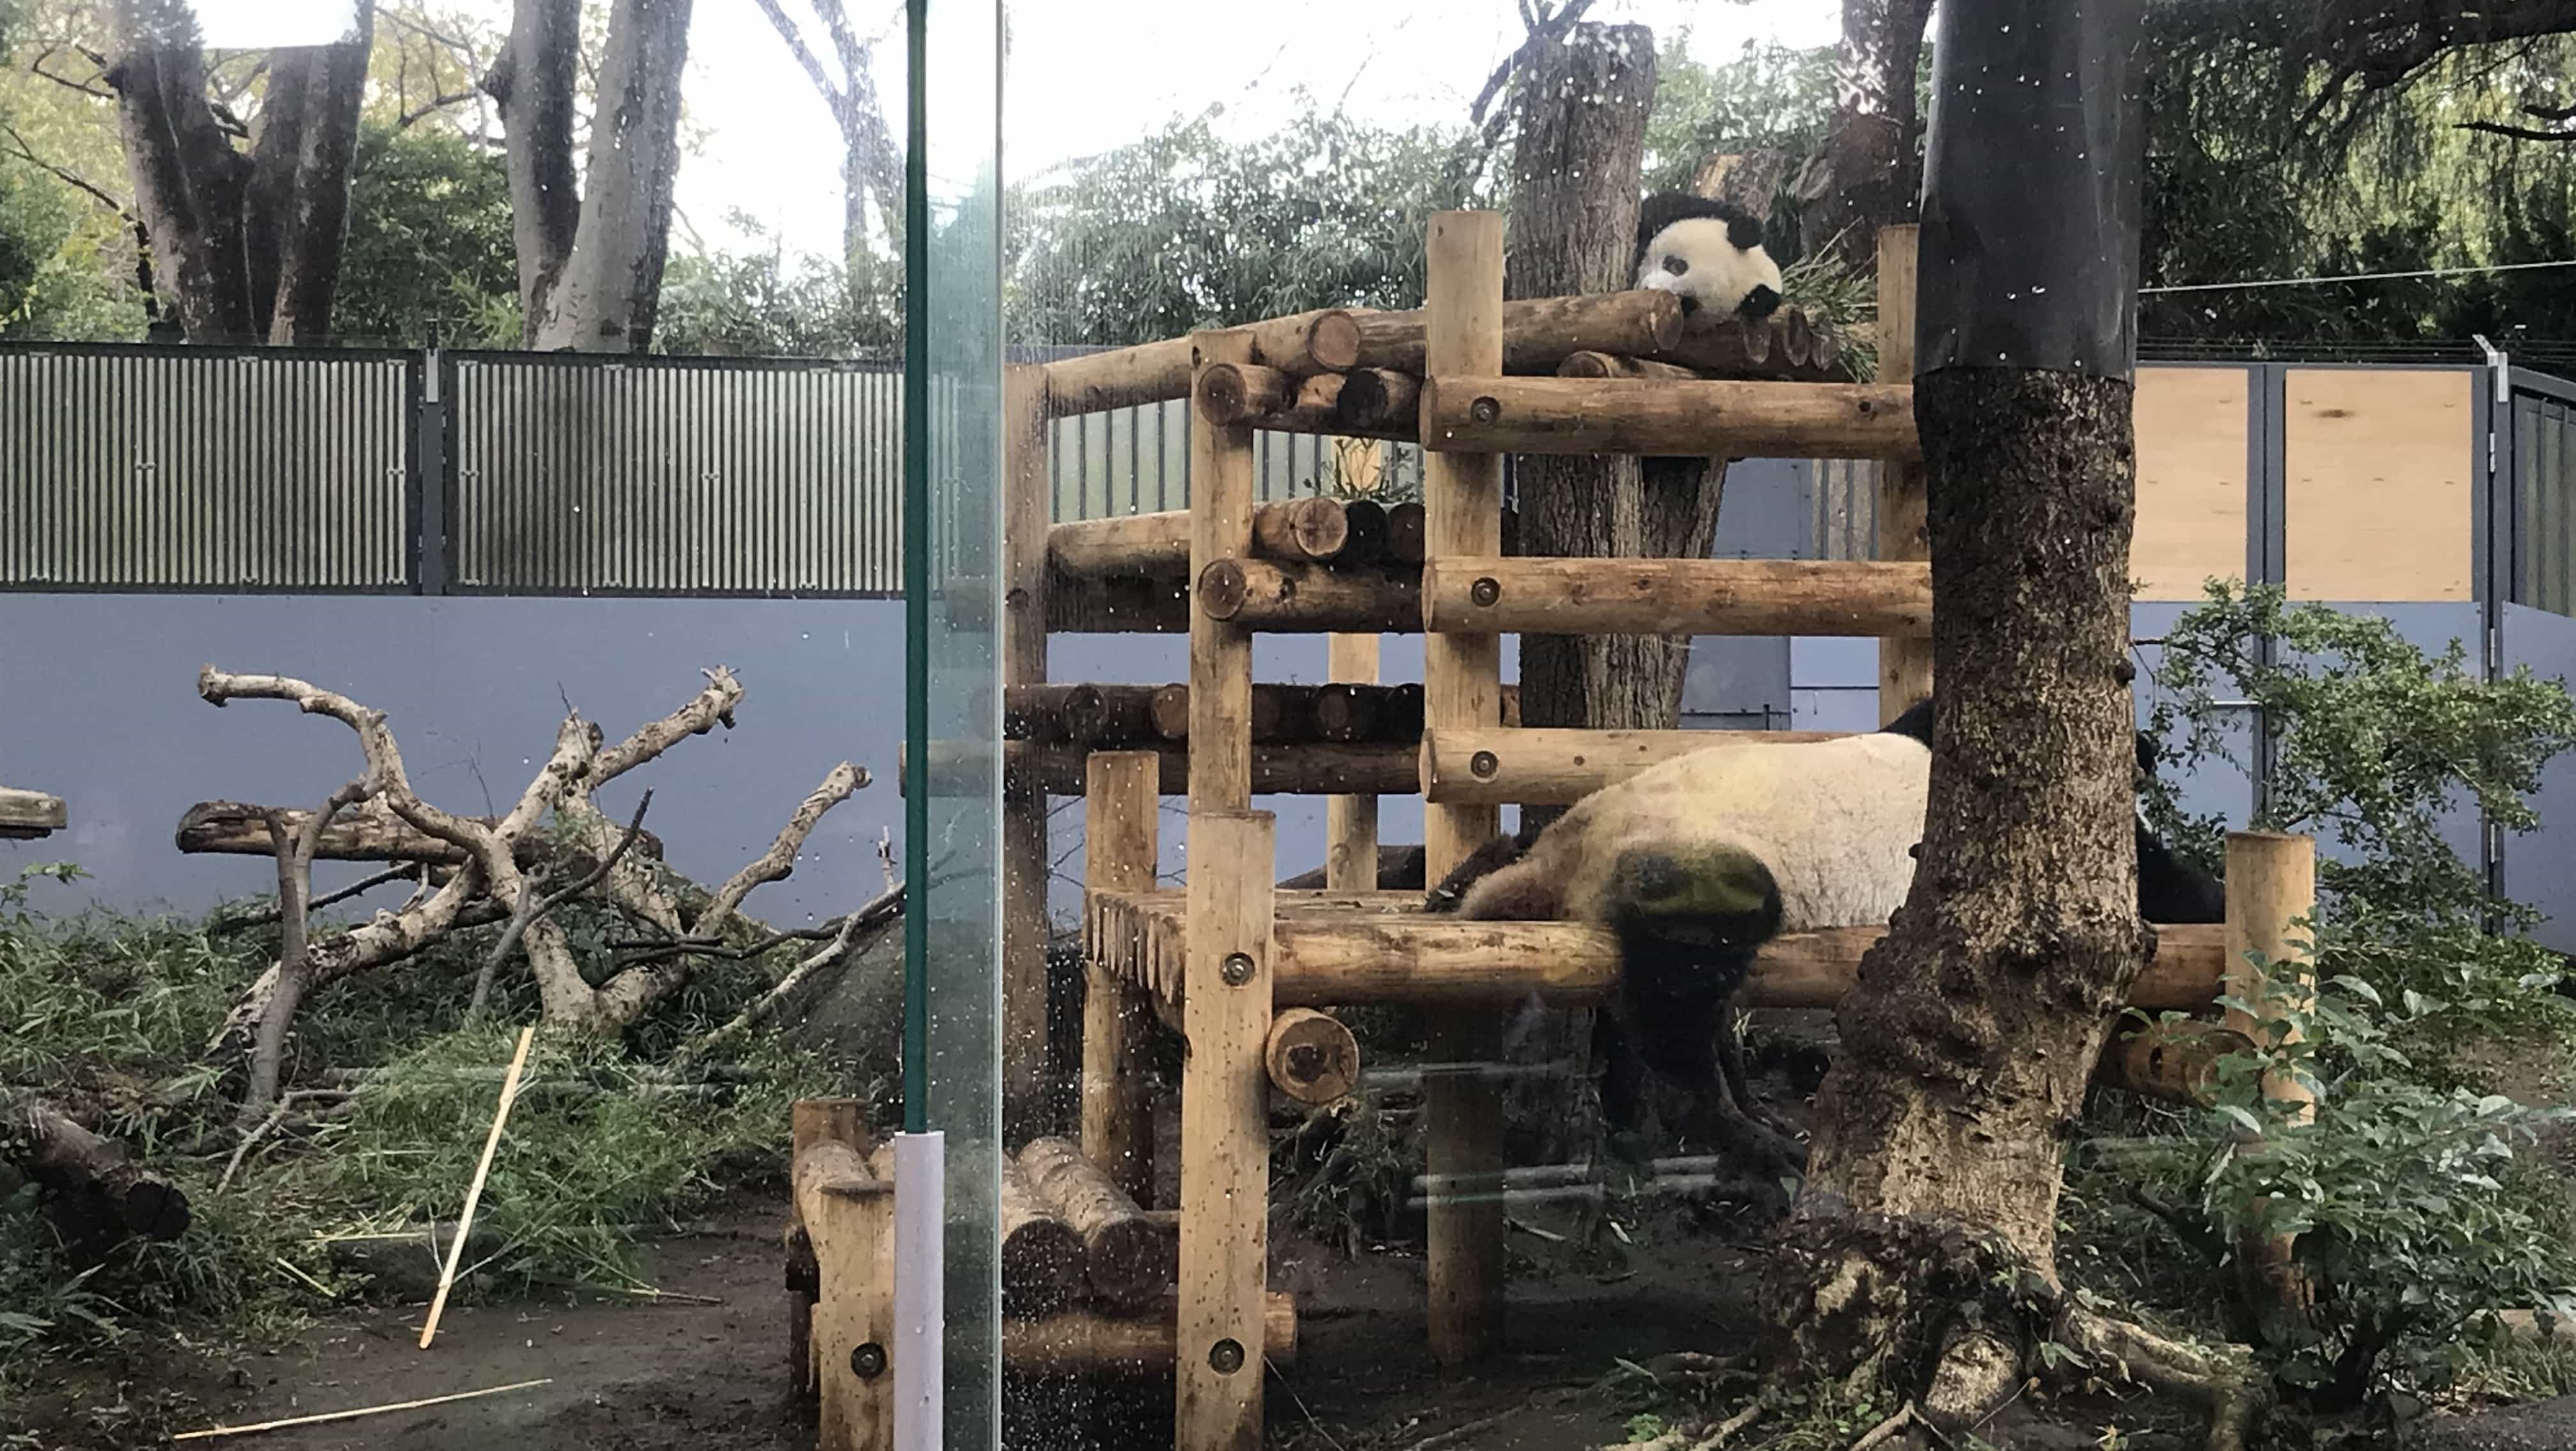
(1695,258)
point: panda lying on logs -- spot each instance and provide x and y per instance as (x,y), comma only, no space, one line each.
(1698,861)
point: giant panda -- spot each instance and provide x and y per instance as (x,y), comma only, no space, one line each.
(1710,254)
(1696,862)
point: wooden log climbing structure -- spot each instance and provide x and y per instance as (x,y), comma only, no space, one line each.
(1245,969)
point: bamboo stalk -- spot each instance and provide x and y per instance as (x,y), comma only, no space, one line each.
(474,1192)
(321,1417)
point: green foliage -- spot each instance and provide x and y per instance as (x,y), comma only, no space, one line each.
(2415,1220)
(111,1015)
(430,244)
(764,302)
(2415,1217)
(1187,230)
(1768,97)
(55,251)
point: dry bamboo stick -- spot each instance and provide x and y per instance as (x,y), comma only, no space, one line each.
(474,1192)
(320,1417)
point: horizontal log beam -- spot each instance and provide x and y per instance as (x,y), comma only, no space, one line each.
(1553,767)
(1789,346)
(1090,715)
(27,815)
(1538,332)
(1620,365)
(1359,769)
(1678,597)
(1309,530)
(1078,1343)
(233,828)
(1660,418)
(1413,958)
(1325,341)
(2175,1063)
(1141,605)
(1262,594)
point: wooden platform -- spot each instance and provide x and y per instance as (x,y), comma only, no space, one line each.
(1338,948)
(28,815)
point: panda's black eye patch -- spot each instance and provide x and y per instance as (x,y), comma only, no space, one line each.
(1676,266)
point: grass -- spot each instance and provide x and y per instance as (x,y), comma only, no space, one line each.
(110,1013)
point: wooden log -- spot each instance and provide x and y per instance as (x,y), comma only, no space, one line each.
(1786,347)
(1092,715)
(1302,530)
(1311,1056)
(97,1195)
(27,815)
(2174,1062)
(1150,605)
(1537,333)
(1131,1261)
(1666,418)
(1677,597)
(1904,490)
(2271,884)
(1242,395)
(1555,767)
(1404,532)
(1259,594)
(1158,545)
(1379,403)
(1221,511)
(1281,714)
(1412,958)
(1028,1074)
(1121,847)
(1339,712)
(1042,1263)
(1225,1126)
(1369,768)
(845,1201)
(1467,336)
(1310,342)
(366,833)
(1083,1344)
(1619,365)
(1350,822)
(1364,522)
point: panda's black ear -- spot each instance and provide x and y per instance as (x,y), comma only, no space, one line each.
(1758,304)
(1744,231)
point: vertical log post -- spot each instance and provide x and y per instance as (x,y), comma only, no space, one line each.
(2271,885)
(1225,1131)
(1029,1082)
(1904,529)
(1350,822)
(1226,1011)
(1462,686)
(1121,844)
(849,1217)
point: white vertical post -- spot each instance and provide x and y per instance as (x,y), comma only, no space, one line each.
(920,1274)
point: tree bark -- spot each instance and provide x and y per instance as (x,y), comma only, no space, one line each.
(1973,1027)
(533,84)
(96,1194)
(1866,175)
(1920,1261)
(604,294)
(246,247)
(1573,229)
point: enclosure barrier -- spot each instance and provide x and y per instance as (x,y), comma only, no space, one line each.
(1243,968)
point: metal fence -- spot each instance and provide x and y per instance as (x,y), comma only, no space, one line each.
(2543,443)
(141,467)
(136,467)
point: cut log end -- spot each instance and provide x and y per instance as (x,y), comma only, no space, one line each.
(1311,1056)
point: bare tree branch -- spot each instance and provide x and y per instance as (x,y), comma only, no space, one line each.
(844,947)
(28,155)
(2519,133)
(532,907)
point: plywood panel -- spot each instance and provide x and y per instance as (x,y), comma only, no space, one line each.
(2376,500)
(2192,426)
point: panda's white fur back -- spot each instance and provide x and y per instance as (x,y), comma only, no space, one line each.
(1716,274)
(1835,821)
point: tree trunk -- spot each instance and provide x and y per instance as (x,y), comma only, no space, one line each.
(245,247)
(95,1193)
(1866,176)
(605,295)
(1573,229)
(1921,1260)
(533,84)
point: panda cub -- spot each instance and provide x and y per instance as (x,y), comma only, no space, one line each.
(1709,252)
(1696,862)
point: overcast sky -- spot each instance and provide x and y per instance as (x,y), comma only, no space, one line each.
(1085,76)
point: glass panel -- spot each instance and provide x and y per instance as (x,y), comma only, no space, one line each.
(953,458)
